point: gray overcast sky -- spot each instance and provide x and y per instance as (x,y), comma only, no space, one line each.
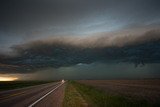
(20,20)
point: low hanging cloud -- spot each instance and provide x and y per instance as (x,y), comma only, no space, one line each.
(69,51)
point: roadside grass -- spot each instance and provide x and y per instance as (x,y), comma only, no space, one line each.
(73,98)
(8,85)
(99,98)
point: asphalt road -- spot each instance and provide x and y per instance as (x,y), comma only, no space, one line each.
(45,95)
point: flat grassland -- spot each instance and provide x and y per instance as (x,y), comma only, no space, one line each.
(72,97)
(9,85)
(139,92)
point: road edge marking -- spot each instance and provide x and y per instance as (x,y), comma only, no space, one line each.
(31,105)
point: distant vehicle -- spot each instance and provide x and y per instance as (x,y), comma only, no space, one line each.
(63,81)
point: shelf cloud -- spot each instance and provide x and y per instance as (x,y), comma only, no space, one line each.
(38,36)
(70,51)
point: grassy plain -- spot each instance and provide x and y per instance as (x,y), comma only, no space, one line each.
(72,97)
(121,93)
(8,85)
(112,93)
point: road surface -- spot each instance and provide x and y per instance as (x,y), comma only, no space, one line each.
(45,95)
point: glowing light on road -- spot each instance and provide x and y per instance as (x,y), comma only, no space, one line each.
(8,78)
(62,81)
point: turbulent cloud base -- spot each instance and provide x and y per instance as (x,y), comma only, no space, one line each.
(69,51)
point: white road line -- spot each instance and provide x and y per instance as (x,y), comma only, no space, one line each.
(31,105)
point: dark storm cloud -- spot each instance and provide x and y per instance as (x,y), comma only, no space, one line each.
(58,33)
(22,21)
(61,52)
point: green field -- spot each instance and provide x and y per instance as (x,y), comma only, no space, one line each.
(98,98)
(8,85)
